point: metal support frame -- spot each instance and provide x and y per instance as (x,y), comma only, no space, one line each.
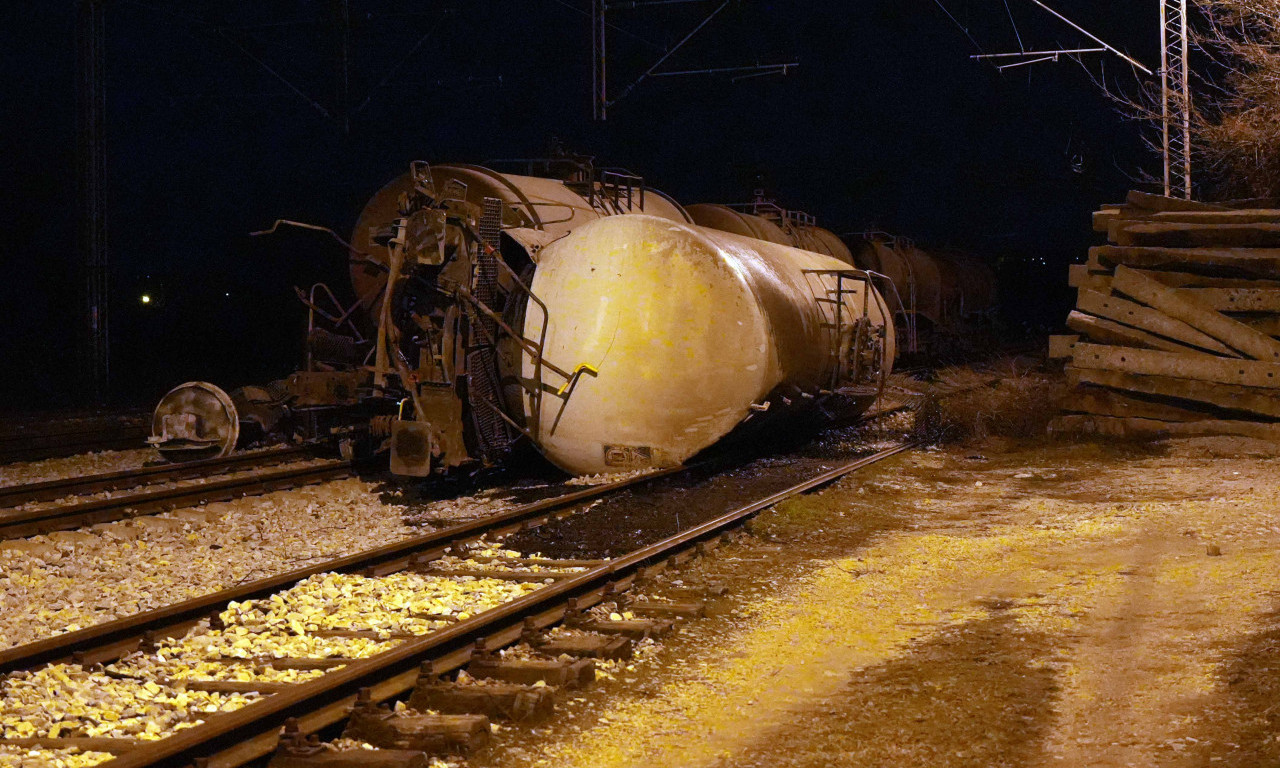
(1033,57)
(91,43)
(1175,98)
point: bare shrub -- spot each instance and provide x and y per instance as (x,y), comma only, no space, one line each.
(1008,399)
(1238,120)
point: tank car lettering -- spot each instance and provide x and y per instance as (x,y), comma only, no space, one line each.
(628,456)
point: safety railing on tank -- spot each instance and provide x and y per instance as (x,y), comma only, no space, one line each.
(534,349)
(615,190)
(768,209)
(907,312)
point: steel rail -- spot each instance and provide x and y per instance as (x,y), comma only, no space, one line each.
(30,522)
(234,738)
(110,640)
(49,490)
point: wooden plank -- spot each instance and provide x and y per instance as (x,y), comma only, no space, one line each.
(1156,203)
(433,734)
(1150,320)
(1060,346)
(114,746)
(587,646)
(1236,299)
(1225,262)
(497,701)
(1104,402)
(570,674)
(1269,324)
(1175,235)
(292,662)
(1203,318)
(1192,280)
(234,686)
(1105,331)
(483,573)
(1103,218)
(1246,216)
(1080,276)
(1252,203)
(1262,402)
(1115,427)
(359,757)
(1150,362)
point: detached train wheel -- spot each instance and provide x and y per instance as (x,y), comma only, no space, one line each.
(196,420)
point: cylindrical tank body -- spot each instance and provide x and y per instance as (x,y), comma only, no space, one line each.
(926,281)
(976,283)
(813,238)
(950,289)
(549,205)
(877,254)
(688,332)
(727,219)
(806,237)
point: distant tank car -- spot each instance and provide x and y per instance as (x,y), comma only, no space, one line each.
(567,307)
(764,219)
(936,292)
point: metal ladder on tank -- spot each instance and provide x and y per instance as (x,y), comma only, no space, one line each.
(849,366)
(490,325)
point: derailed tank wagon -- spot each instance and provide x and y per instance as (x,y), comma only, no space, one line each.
(577,311)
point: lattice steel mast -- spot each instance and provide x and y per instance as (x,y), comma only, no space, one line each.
(1175,98)
(91,86)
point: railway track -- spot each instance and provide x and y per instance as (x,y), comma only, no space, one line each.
(18,523)
(49,490)
(559,591)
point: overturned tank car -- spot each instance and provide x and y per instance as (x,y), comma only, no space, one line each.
(567,307)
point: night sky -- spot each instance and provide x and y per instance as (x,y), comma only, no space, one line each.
(885,124)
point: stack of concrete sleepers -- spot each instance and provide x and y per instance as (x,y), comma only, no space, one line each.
(1176,328)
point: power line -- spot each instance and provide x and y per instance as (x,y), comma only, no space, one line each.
(959,26)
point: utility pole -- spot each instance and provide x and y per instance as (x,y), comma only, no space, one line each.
(91,158)
(599,84)
(1175,98)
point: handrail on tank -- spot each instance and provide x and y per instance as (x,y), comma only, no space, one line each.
(908,311)
(598,185)
(769,209)
(533,348)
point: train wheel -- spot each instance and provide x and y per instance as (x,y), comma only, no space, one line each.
(196,420)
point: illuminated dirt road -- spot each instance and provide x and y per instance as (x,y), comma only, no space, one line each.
(1061,605)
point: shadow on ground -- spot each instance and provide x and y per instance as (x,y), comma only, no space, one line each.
(972,696)
(1240,727)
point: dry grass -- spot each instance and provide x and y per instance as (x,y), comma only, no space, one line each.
(1009,399)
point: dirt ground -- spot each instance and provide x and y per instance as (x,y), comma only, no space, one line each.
(1088,604)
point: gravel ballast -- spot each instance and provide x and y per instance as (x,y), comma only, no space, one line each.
(69,580)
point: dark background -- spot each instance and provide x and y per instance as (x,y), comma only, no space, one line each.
(886,124)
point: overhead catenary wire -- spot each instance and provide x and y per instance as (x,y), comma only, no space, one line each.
(959,26)
(1014,24)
